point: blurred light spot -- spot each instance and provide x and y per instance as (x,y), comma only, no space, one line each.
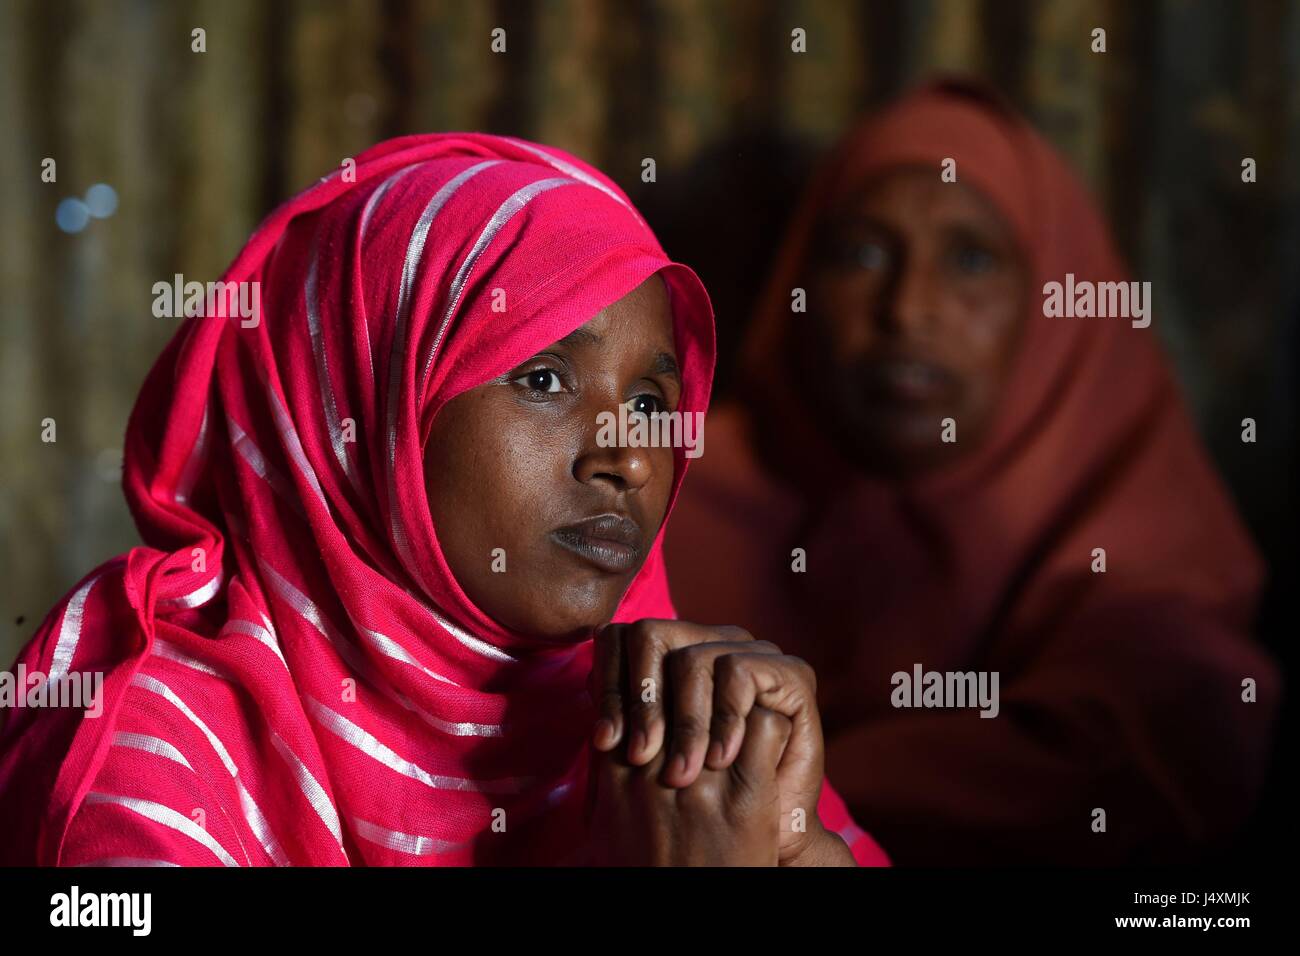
(101,199)
(72,215)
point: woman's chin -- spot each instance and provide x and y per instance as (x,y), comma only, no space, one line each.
(573,615)
(557,606)
(560,636)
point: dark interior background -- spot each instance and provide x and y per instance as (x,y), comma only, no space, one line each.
(199,146)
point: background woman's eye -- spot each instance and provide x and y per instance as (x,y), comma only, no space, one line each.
(973,259)
(870,255)
(855,253)
(646,405)
(541,380)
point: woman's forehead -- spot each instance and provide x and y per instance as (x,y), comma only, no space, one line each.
(913,191)
(645,311)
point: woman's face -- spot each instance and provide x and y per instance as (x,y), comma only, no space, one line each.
(917,293)
(514,465)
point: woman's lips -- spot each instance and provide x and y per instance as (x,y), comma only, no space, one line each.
(907,381)
(610,542)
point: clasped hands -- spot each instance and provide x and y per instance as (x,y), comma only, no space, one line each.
(707,751)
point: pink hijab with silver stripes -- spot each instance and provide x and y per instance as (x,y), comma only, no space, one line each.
(291,673)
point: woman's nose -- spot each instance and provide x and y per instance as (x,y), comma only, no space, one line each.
(607,458)
(908,303)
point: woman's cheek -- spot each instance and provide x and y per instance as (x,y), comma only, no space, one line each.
(524,462)
(850,310)
(661,486)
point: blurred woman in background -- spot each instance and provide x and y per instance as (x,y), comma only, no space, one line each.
(925,473)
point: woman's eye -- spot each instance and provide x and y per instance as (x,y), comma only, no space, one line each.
(645,405)
(870,255)
(858,254)
(974,260)
(541,380)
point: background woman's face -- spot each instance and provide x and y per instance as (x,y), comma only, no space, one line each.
(514,464)
(916,296)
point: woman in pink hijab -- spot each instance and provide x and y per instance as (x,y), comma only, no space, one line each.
(382,543)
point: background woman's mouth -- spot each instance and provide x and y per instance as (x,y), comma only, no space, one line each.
(610,542)
(907,381)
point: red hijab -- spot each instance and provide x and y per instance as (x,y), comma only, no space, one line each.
(292,673)
(1106,679)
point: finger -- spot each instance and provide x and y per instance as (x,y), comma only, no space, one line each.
(608,798)
(608,667)
(646,645)
(780,683)
(690,677)
(754,770)
(691,696)
(608,774)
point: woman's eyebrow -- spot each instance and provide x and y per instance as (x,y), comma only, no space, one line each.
(854,226)
(666,364)
(963,230)
(855,219)
(585,336)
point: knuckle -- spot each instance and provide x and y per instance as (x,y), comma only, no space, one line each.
(724,716)
(611,701)
(688,727)
(636,633)
(722,722)
(654,634)
(728,668)
(735,632)
(643,710)
(807,673)
(688,663)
